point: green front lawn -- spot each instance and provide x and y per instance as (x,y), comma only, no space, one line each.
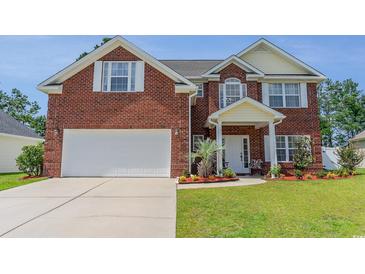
(9,180)
(326,208)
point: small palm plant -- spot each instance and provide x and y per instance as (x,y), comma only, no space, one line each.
(206,153)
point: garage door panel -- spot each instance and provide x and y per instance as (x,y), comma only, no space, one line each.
(133,153)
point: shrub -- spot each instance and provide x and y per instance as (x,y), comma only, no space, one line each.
(349,158)
(229,173)
(30,160)
(321,174)
(182,179)
(185,173)
(331,175)
(298,173)
(302,157)
(194,177)
(342,172)
(206,153)
(211,177)
(309,177)
(275,170)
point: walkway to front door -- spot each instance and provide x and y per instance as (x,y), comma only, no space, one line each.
(237,153)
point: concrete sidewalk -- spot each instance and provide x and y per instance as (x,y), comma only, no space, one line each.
(90,207)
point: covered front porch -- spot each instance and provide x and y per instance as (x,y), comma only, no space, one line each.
(239,128)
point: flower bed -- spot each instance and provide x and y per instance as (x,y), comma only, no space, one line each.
(306,178)
(201,180)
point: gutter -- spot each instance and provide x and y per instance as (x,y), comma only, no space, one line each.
(190,98)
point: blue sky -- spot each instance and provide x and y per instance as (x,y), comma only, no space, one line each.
(28,60)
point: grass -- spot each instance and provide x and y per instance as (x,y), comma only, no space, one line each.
(325,208)
(10,180)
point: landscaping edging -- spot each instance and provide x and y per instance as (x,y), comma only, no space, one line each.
(208,181)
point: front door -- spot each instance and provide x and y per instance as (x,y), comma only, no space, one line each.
(237,152)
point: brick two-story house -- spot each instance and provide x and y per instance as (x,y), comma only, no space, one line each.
(120,112)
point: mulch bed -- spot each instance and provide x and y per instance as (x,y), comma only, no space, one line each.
(209,181)
(314,178)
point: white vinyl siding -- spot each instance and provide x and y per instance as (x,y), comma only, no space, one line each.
(285,95)
(122,76)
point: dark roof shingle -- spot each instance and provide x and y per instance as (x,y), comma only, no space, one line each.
(190,68)
(11,126)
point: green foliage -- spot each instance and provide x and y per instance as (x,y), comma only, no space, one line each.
(30,160)
(342,111)
(321,174)
(298,173)
(275,170)
(185,173)
(194,177)
(206,154)
(229,173)
(182,179)
(349,158)
(303,156)
(82,55)
(17,105)
(343,172)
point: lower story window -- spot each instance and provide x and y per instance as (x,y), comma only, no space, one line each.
(196,140)
(286,147)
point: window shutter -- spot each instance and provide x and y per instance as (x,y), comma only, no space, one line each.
(140,76)
(303,95)
(244,90)
(221,97)
(98,68)
(267,148)
(265,94)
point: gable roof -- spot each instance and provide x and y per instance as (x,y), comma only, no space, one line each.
(359,137)
(8,125)
(191,68)
(284,54)
(276,115)
(237,61)
(54,83)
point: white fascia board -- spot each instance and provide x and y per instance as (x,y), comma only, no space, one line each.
(22,137)
(235,60)
(51,89)
(283,53)
(106,48)
(185,88)
(307,78)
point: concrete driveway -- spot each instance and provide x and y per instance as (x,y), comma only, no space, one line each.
(90,207)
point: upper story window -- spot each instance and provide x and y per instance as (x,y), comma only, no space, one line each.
(284,95)
(231,91)
(119,76)
(200,91)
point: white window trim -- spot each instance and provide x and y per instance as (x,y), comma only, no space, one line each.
(109,76)
(195,139)
(202,95)
(283,95)
(224,90)
(287,146)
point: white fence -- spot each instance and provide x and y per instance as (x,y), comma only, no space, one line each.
(329,158)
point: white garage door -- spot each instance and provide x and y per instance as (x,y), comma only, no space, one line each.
(116,152)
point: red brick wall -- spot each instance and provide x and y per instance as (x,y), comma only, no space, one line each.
(79,107)
(301,121)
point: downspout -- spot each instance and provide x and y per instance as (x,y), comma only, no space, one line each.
(190,97)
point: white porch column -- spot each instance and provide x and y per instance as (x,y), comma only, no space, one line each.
(219,143)
(272,137)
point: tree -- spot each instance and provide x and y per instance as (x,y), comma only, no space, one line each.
(17,105)
(82,55)
(206,152)
(303,158)
(349,158)
(342,111)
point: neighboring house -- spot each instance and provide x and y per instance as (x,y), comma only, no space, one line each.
(13,136)
(120,112)
(359,144)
